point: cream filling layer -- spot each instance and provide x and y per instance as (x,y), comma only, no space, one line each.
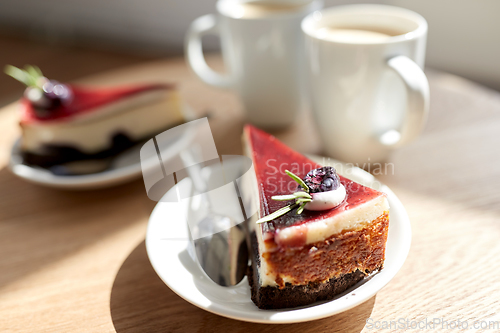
(136,116)
(347,220)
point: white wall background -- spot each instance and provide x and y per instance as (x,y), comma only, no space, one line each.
(464,35)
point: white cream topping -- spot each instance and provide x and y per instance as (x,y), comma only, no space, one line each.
(326,200)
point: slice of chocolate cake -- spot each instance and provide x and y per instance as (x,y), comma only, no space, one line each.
(312,251)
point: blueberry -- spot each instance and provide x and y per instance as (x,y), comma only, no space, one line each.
(326,185)
(322,179)
(56,93)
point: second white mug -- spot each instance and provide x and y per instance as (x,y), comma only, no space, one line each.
(263,51)
(367,88)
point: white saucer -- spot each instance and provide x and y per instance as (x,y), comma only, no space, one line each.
(122,168)
(167,243)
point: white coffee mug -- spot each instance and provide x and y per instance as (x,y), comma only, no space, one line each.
(367,88)
(263,51)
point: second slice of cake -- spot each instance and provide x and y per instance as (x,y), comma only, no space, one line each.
(298,259)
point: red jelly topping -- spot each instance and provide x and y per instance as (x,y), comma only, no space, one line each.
(271,158)
(85,100)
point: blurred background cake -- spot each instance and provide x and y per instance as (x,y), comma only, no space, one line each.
(63,123)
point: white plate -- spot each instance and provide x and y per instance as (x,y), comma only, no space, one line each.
(123,168)
(167,243)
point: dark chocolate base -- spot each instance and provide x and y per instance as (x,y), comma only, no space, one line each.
(53,155)
(56,155)
(292,296)
(295,295)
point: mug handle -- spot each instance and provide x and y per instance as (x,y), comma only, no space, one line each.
(203,25)
(417,88)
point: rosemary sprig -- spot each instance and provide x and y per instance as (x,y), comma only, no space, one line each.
(30,76)
(301,208)
(298,180)
(301,199)
(292,196)
(278,213)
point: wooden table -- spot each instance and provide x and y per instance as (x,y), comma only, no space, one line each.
(76,261)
